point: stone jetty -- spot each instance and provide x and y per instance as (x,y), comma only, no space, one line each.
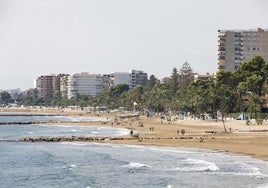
(72,139)
(93,139)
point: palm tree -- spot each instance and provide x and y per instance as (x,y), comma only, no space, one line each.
(254,104)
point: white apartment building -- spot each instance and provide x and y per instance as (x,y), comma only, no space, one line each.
(84,84)
(121,78)
(237,46)
(131,78)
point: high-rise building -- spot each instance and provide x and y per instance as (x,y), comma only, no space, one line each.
(50,85)
(63,84)
(237,46)
(138,78)
(45,85)
(131,78)
(84,84)
(121,78)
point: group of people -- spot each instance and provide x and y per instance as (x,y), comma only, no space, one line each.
(182,132)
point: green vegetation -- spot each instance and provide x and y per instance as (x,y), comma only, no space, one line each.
(228,92)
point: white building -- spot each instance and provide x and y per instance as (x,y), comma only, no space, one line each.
(121,78)
(131,78)
(84,84)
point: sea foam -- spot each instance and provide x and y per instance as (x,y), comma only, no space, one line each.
(134,165)
(196,165)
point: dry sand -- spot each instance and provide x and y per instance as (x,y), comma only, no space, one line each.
(238,140)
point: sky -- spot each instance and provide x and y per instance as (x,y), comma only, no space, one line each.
(43,37)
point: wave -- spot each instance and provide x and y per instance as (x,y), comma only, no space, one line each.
(134,165)
(172,150)
(242,169)
(70,167)
(196,165)
(75,143)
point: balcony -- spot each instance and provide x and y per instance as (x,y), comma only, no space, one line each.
(221,44)
(221,49)
(221,58)
(238,49)
(221,53)
(221,67)
(222,40)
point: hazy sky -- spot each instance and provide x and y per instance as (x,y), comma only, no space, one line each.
(39,37)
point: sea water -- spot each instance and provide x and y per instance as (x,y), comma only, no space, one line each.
(93,165)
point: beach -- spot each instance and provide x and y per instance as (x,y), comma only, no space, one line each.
(206,134)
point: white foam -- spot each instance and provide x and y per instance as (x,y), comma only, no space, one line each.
(247,170)
(171,150)
(75,143)
(71,167)
(94,132)
(134,165)
(197,166)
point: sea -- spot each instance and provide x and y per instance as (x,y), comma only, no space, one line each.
(96,165)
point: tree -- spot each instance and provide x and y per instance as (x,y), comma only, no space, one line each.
(254,104)
(151,82)
(185,74)
(198,96)
(5,97)
(115,93)
(157,98)
(253,74)
(135,95)
(173,82)
(226,101)
(186,69)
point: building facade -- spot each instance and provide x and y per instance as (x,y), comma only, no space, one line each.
(50,85)
(138,78)
(237,46)
(120,78)
(84,84)
(45,85)
(131,78)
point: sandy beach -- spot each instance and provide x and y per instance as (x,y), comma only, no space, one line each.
(241,138)
(199,134)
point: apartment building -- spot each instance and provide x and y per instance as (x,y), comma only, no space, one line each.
(45,85)
(237,46)
(50,85)
(63,84)
(138,78)
(84,84)
(131,78)
(120,78)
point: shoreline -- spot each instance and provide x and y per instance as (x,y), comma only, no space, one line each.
(246,143)
(199,134)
